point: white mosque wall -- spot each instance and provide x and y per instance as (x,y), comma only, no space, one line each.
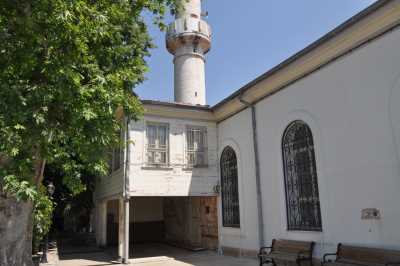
(352,107)
(236,132)
(176,179)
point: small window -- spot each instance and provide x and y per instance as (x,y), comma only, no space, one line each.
(157,144)
(301,184)
(196,142)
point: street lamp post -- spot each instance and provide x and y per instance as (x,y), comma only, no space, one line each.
(50,190)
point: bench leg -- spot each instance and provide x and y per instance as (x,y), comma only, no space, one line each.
(266,261)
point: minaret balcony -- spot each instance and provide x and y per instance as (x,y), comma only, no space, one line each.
(188,29)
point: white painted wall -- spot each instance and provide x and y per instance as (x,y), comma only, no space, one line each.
(236,132)
(175,180)
(353,109)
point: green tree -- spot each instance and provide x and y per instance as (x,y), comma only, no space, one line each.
(66,68)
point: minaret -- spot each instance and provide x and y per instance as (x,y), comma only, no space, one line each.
(189,39)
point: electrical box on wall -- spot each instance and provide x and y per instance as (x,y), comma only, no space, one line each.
(370,214)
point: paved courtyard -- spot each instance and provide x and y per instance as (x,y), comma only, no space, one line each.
(153,255)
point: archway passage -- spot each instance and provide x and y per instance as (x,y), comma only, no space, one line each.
(156,224)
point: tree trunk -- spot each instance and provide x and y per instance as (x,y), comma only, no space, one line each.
(15,232)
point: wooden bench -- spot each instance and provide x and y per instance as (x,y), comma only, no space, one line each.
(352,255)
(286,250)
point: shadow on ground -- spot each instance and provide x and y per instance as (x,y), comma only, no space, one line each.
(79,251)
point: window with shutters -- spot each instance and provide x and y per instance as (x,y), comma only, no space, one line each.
(301,184)
(157,144)
(196,146)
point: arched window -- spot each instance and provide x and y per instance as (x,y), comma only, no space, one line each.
(229,188)
(301,185)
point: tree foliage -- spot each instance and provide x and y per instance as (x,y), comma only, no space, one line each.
(66,66)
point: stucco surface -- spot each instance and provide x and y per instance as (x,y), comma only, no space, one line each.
(175,179)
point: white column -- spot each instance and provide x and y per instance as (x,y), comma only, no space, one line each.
(121,230)
(125,252)
(102,223)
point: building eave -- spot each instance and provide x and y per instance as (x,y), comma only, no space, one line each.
(177,110)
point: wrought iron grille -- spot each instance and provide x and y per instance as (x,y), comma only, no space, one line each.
(196,139)
(229,189)
(301,184)
(157,144)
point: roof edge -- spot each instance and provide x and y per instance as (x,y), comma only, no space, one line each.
(176,105)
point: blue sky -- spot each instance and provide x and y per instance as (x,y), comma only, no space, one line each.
(249,38)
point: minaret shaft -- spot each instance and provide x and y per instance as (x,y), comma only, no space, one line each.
(189,39)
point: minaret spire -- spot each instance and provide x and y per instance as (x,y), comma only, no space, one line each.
(189,39)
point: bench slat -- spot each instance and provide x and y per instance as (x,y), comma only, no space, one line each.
(292,246)
(371,256)
(287,250)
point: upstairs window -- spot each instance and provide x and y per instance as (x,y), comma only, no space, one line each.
(196,142)
(157,144)
(302,198)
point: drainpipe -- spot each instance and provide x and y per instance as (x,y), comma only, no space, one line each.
(257,168)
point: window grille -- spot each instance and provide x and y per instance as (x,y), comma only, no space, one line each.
(302,197)
(157,144)
(196,140)
(229,188)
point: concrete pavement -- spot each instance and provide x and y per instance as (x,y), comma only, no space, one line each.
(155,255)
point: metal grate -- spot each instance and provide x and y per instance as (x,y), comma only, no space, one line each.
(196,138)
(157,144)
(229,189)
(301,185)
